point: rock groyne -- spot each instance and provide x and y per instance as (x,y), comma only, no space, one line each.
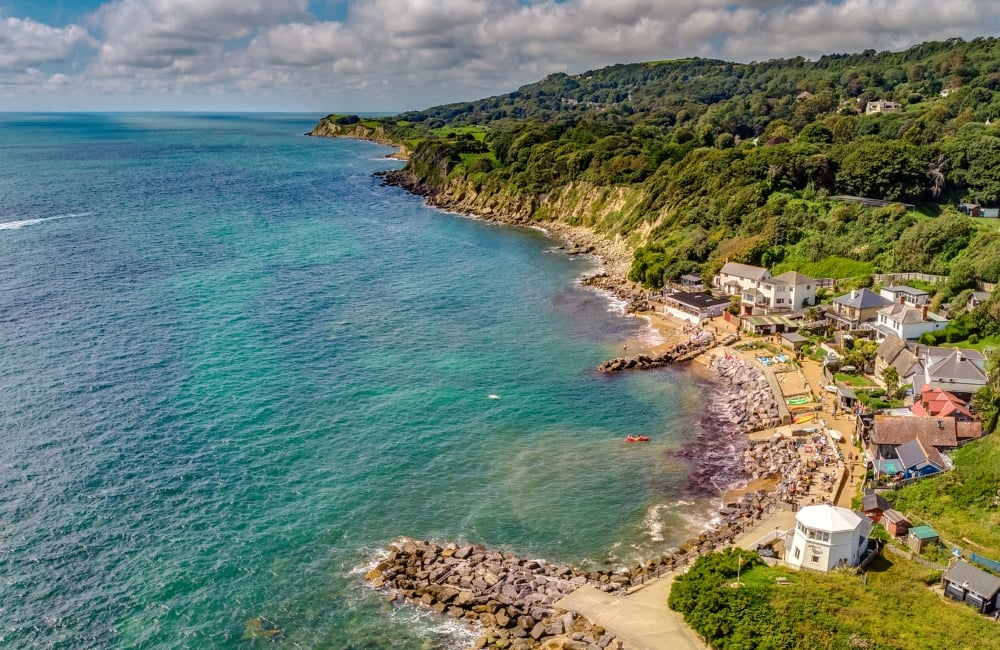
(751,404)
(512,601)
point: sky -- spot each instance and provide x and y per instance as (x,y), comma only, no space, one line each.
(395,55)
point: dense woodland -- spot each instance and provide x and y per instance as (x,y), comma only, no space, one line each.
(742,162)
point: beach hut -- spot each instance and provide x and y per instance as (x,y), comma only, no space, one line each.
(895,523)
(965,583)
(921,537)
(874,506)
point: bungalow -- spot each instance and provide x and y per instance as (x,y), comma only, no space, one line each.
(772,324)
(970,209)
(888,432)
(859,306)
(977,298)
(966,583)
(826,537)
(694,307)
(692,282)
(882,106)
(909,295)
(906,322)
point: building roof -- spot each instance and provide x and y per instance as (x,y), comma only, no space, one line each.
(794,278)
(924,532)
(829,518)
(794,337)
(909,291)
(872,500)
(908,314)
(769,319)
(894,516)
(691,277)
(862,299)
(974,579)
(935,402)
(935,432)
(744,271)
(696,300)
(959,367)
(967,431)
(913,452)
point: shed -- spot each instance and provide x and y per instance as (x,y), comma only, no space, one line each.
(793,340)
(977,588)
(895,523)
(691,280)
(921,537)
(874,506)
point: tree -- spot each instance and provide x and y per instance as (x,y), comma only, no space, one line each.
(891,378)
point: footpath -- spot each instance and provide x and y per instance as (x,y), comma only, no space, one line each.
(641,620)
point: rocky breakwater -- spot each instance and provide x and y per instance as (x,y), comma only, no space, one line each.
(511,599)
(635,300)
(700,341)
(750,403)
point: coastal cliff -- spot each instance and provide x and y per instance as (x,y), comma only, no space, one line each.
(578,213)
(328,128)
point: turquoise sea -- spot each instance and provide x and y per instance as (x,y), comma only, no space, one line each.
(233,367)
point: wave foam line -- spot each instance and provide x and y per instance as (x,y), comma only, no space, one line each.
(14,225)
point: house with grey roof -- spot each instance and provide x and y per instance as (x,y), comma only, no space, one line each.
(859,306)
(906,321)
(908,295)
(893,351)
(956,370)
(973,586)
(762,294)
(977,298)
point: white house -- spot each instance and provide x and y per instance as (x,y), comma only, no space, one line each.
(907,322)
(909,295)
(826,537)
(952,369)
(882,106)
(760,293)
(693,307)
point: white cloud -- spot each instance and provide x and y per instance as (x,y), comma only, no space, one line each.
(26,43)
(401,54)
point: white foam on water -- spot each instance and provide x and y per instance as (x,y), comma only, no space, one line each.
(15,225)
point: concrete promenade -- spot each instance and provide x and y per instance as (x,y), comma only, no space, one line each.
(641,619)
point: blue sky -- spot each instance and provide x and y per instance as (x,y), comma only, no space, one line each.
(393,55)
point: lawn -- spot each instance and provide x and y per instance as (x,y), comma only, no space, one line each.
(855,381)
(983,344)
(895,609)
(478,132)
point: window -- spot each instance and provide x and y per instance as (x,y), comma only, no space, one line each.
(814,559)
(797,552)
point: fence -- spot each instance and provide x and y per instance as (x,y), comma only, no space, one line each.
(881,278)
(985,561)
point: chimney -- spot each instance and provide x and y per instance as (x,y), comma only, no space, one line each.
(916,351)
(854,294)
(923,313)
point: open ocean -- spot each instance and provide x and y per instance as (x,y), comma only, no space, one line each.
(233,367)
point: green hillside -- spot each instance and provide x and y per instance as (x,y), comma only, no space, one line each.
(698,161)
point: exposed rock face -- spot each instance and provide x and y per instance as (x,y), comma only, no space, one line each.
(327,128)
